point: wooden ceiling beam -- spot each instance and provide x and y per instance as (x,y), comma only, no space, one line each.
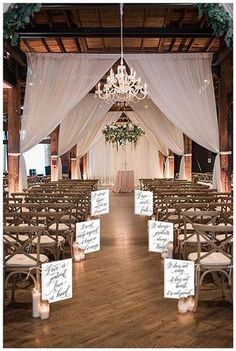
(67,19)
(172,44)
(49,18)
(27,45)
(18,55)
(100,24)
(76,40)
(82,42)
(165,25)
(144,23)
(139,32)
(72,6)
(60,44)
(45,44)
(190,45)
(182,44)
(209,44)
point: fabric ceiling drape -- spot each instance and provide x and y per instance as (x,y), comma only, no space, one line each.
(80,121)
(55,84)
(181,86)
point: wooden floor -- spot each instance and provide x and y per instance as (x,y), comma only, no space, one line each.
(118,300)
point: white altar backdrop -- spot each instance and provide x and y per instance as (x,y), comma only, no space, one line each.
(104,160)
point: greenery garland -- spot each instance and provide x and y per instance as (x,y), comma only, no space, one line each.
(219,20)
(17,16)
(122,134)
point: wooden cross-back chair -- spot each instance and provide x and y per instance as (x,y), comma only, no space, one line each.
(22,254)
(216,259)
(186,236)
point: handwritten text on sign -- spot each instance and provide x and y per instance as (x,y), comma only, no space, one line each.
(57,280)
(88,235)
(159,234)
(178,278)
(143,202)
(99,202)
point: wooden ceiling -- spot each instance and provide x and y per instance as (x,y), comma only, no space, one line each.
(95,28)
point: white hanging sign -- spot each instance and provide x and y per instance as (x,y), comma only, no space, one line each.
(159,234)
(143,203)
(88,235)
(99,202)
(178,278)
(56,280)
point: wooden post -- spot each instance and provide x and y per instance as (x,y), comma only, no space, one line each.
(188,157)
(171,164)
(161,160)
(13,124)
(85,166)
(54,154)
(65,161)
(225,121)
(73,163)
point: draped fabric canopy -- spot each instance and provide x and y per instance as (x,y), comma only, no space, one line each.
(55,84)
(181,101)
(77,124)
(181,85)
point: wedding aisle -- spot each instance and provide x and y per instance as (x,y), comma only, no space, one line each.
(118,299)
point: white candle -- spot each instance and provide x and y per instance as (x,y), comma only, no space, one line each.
(44,309)
(190,303)
(182,305)
(153,218)
(36,302)
(76,253)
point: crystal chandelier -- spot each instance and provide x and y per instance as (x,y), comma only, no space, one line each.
(122,87)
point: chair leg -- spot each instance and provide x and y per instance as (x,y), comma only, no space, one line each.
(197,286)
(222,285)
(13,289)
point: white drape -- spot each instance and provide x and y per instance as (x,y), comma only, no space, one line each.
(163,130)
(95,133)
(55,84)
(105,160)
(181,86)
(80,120)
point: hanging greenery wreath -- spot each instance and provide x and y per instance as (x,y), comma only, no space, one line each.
(17,16)
(122,134)
(219,20)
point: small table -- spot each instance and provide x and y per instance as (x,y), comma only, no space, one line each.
(124,182)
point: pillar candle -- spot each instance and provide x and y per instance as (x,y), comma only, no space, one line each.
(36,302)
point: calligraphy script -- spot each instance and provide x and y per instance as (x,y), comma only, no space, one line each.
(159,234)
(178,278)
(57,280)
(99,202)
(88,235)
(143,202)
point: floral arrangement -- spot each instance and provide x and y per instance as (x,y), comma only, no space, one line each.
(122,134)
(219,20)
(17,16)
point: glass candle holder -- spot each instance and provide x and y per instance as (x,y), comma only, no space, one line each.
(76,253)
(164,254)
(44,309)
(153,218)
(182,305)
(191,303)
(170,248)
(36,295)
